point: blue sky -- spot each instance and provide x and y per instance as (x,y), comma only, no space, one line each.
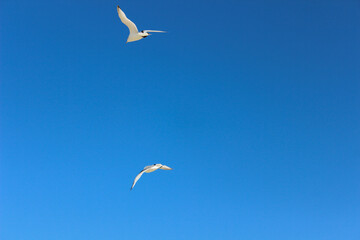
(255,104)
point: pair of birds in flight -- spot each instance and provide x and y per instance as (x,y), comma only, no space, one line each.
(134,35)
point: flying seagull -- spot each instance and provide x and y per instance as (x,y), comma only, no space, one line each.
(134,35)
(149,169)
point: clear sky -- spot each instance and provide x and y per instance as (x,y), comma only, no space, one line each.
(255,104)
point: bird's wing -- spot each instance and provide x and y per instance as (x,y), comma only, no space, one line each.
(150,166)
(137,178)
(132,27)
(164,167)
(154,31)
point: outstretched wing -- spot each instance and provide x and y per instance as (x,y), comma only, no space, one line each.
(132,27)
(137,178)
(154,31)
(164,167)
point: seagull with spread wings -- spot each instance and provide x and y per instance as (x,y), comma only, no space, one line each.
(149,169)
(134,35)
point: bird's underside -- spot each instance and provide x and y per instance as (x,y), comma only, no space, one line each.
(149,169)
(134,34)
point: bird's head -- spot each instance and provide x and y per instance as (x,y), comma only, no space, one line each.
(144,34)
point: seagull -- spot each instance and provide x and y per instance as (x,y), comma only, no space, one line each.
(149,169)
(134,35)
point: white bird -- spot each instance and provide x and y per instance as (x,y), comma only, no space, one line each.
(134,35)
(149,169)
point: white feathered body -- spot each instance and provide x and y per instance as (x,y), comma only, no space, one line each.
(134,34)
(149,169)
(137,36)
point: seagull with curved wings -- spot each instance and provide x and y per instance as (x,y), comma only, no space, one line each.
(134,35)
(149,169)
